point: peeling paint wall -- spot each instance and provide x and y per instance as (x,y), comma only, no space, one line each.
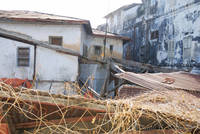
(163,32)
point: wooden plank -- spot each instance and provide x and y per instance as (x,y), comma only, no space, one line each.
(56,122)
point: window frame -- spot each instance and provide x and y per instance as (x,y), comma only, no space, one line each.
(51,37)
(100,51)
(23,58)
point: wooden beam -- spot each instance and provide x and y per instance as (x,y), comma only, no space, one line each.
(56,122)
(68,102)
(149,67)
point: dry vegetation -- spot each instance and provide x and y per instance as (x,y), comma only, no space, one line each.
(166,110)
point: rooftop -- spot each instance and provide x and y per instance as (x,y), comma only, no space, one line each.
(36,16)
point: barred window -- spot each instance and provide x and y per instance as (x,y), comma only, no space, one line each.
(23,57)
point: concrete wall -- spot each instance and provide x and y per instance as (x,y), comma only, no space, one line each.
(52,68)
(93,41)
(177,23)
(71,33)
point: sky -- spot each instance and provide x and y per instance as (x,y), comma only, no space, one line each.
(93,10)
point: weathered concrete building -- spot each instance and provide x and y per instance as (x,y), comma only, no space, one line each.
(163,32)
(51,68)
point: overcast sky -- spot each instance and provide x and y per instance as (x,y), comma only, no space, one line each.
(93,10)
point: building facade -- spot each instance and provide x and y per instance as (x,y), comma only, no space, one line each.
(51,68)
(164,33)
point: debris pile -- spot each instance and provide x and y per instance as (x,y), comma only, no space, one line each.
(31,111)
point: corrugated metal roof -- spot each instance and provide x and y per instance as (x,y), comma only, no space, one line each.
(36,16)
(159,81)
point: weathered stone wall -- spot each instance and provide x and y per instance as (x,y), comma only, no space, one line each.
(163,32)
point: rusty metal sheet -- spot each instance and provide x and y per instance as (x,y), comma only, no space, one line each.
(162,81)
(21,15)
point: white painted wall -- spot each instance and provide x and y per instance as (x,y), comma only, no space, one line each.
(8,60)
(52,65)
(71,33)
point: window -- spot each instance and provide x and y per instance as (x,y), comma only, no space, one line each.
(154,35)
(56,40)
(23,57)
(111,49)
(97,50)
(171,51)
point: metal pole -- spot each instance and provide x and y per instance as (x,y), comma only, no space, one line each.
(105,40)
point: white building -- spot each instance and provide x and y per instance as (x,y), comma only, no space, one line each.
(51,67)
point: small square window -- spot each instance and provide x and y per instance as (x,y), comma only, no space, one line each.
(23,57)
(97,50)
(56,40)
(154,35)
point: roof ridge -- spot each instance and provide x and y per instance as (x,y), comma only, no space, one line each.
(42,13)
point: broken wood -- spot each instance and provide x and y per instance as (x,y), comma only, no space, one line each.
(149,67)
